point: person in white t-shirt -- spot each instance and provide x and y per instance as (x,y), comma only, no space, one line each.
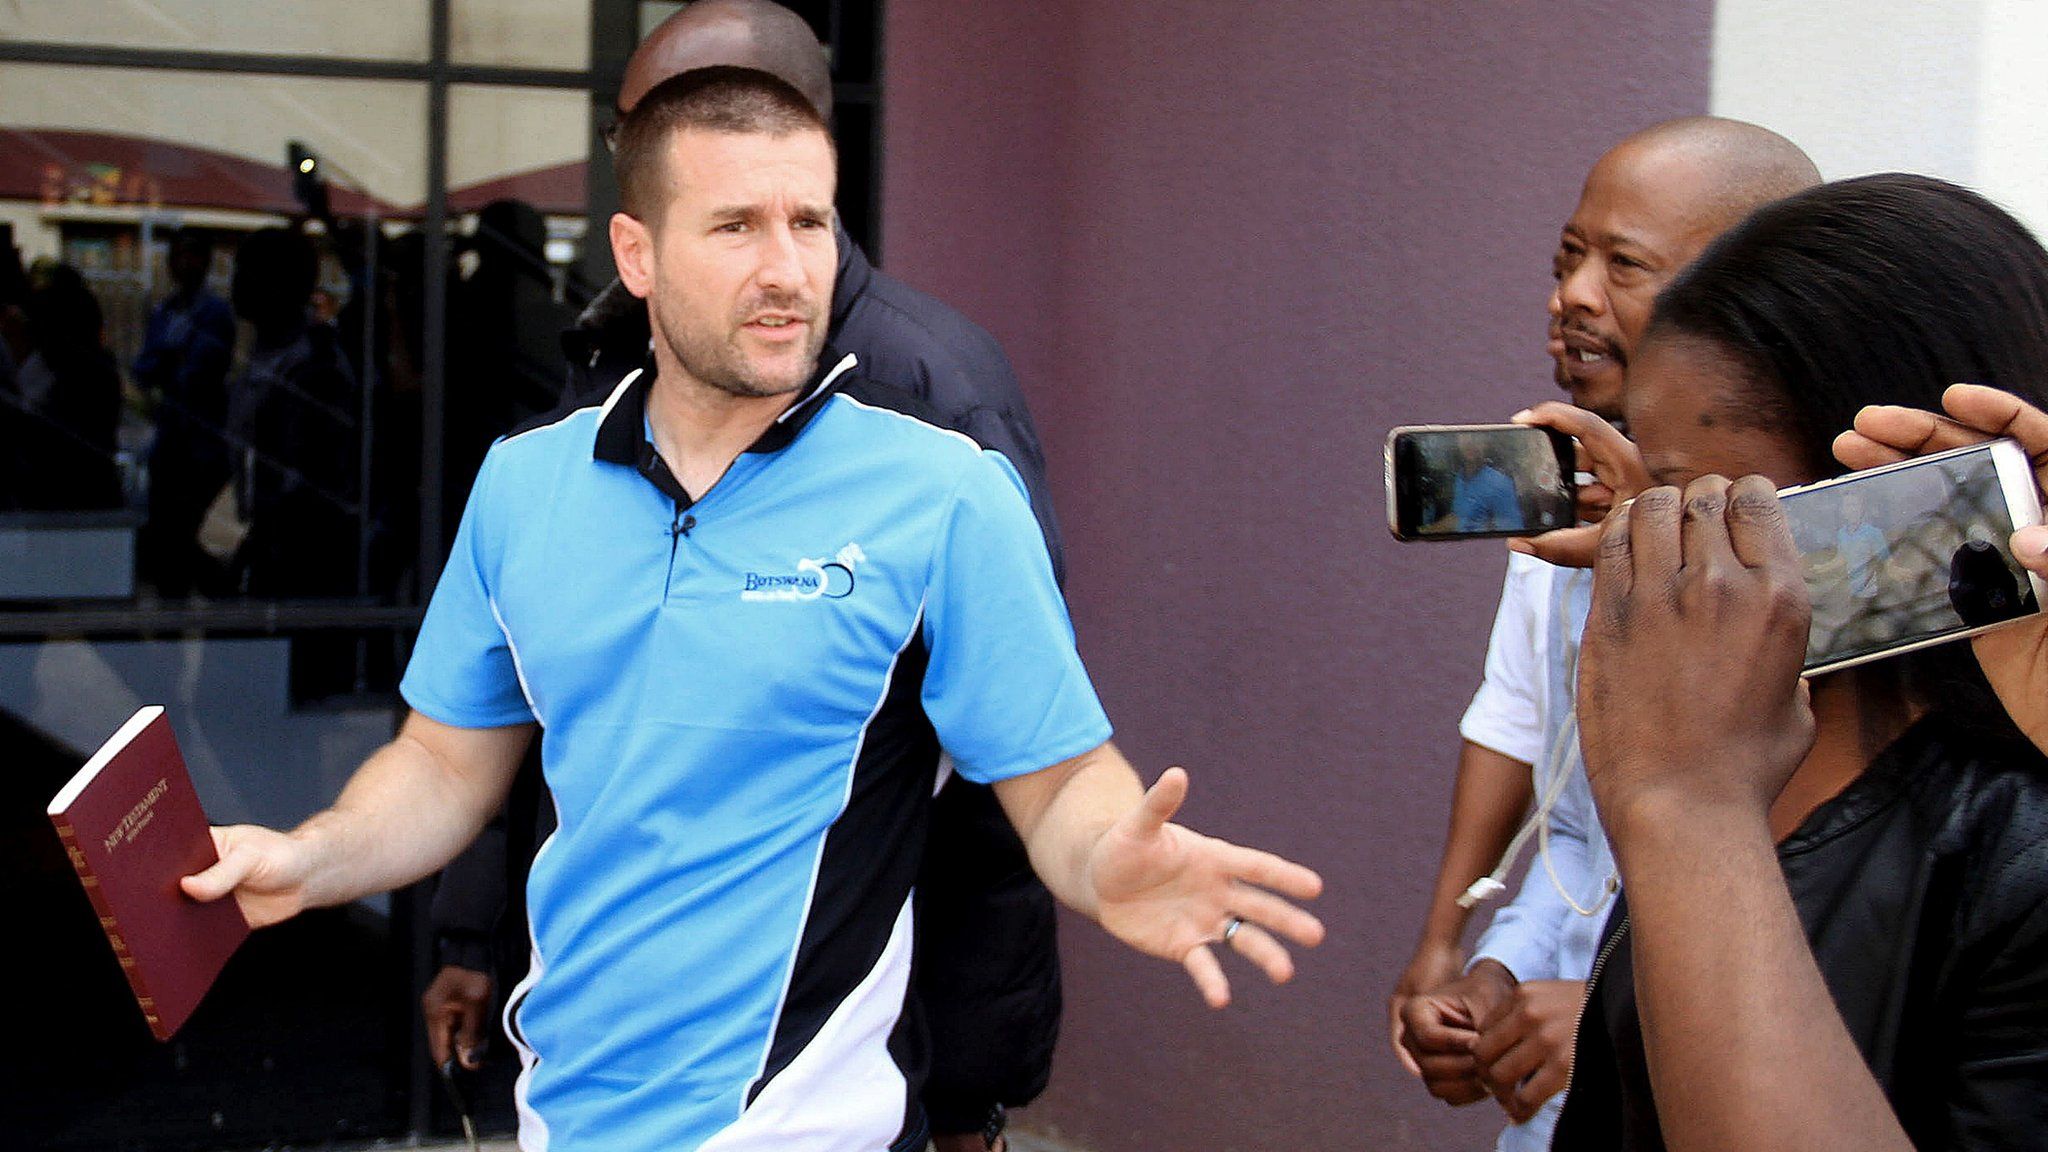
(1501,1023)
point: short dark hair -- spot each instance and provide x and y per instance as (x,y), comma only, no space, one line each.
(717,99)
(276,270)
(1878,290)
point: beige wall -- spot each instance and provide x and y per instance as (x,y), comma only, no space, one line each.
(1957,89)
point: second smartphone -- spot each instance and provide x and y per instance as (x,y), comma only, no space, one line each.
(1915,553)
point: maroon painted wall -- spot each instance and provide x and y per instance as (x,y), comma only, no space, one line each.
(1228,246)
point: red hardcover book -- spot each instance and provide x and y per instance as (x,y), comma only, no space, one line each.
(132,825)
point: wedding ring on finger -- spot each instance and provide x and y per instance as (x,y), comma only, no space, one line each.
(1230,929)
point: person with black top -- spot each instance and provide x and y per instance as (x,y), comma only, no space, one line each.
(292,427)
(292,423)
(70,394)
(187,352)
(1831,934)
(14,348)
(988,977)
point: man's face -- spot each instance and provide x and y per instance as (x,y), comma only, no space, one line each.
(1640,220)
(737,268)
(189,262)
(1471,455)
(1853,513)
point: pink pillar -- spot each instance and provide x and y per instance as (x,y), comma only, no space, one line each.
(1228,246)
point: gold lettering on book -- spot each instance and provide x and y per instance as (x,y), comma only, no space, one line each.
(138,817)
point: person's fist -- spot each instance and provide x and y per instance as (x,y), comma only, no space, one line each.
(1689,689)
(1434,963)
(1440,1026)
(1524,1051)
(455,1006)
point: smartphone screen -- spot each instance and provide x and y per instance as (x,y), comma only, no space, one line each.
(1457,482)
(1907,556)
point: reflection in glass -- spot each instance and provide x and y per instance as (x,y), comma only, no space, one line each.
(365,29)
(307,1005)
(525,33)
(210,339)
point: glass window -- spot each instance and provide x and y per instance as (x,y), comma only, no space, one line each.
(364,29)
(528,33)
(653,12)
(517,182)
(293,1043)
(141,137)
(163,436)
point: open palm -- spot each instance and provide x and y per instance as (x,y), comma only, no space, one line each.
(1173,893)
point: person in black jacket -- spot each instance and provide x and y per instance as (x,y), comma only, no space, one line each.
(187,353)
(71,393)
(292,428)
(1833,933)
(987,963)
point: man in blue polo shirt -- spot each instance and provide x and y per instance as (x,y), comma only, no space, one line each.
(747,612)
(1482,497)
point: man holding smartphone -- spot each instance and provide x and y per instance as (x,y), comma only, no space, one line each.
(1503,1025)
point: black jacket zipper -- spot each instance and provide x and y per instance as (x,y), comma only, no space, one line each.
(1593,978)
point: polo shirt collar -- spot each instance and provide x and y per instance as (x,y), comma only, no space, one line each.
(622,424)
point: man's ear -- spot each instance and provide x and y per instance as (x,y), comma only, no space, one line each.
(633,254)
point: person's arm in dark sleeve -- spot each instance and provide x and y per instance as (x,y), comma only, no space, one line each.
(469,902)
(976,392)
(150,360)
(1692,718)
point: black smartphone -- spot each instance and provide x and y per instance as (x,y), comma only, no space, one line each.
(1465,481)
(1912,554)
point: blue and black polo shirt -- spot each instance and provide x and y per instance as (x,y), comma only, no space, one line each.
(743,698)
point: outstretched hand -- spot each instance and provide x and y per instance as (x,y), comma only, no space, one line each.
(1618,475)
(1175,893)
(2014,658)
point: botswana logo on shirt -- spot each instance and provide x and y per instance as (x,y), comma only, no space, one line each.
(830,578)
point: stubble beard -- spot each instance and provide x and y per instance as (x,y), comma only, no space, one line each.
(720,363)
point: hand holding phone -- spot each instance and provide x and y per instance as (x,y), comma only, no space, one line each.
(1914,553)
(2014,659)
(1617,471)
(1461,482)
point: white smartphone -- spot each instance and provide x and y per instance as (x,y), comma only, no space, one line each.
(1915,554)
